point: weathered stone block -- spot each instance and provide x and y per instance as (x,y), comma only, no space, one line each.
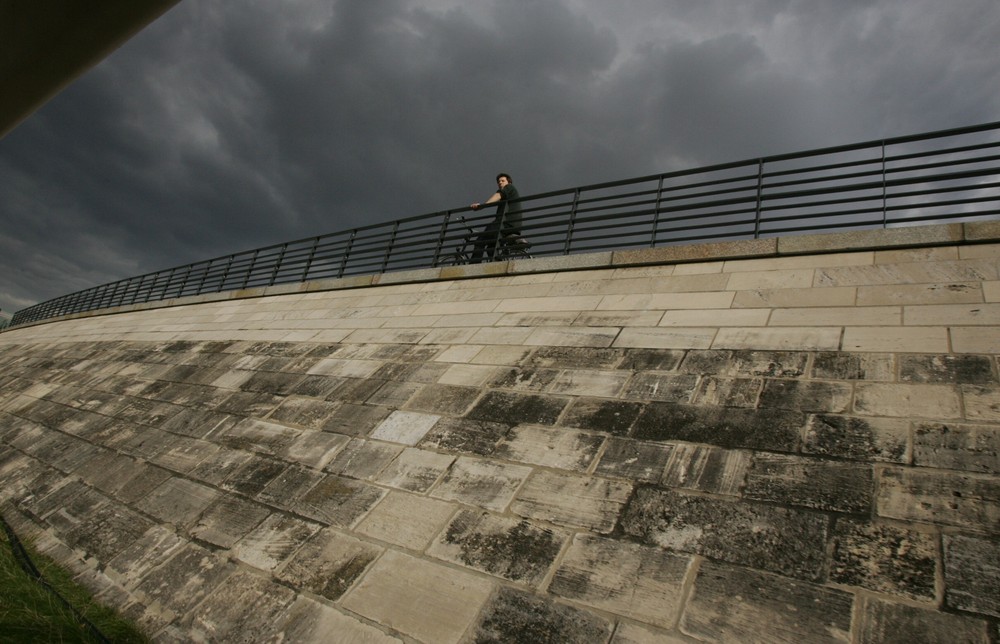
(731,427)
(835,486)
(480,483)
(651,359)
(634,460)
(503,407)
(575,358)
(884,558)
(806,395)
(415,470)
(338,501)
(875,439)
(771,608)
(774,364)
(516,616)
(178,501)
(506,547)
(790,542)
(328,564)
(957,446)
(571,500)
(940,497)
(228,520)
(981,403)
(252,476)
(883,621)
(907,400)
(109,530)
(304,412)
(729,392)
(443,399)
(549,446)
(406,520)
(833,365)
(628,579)
(287,487)
(972,574)
(352,419)
(180,583)
(405,427)
(243,607)
(363,459)
(663,387)
(944,368)
(612,416)
(707,469)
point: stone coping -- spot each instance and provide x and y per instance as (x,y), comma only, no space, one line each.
(822,243)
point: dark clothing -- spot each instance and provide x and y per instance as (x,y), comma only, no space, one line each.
(509,213)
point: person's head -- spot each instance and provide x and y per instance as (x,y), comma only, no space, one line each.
(503,179)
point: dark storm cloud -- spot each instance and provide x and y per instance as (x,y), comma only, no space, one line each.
(227,125)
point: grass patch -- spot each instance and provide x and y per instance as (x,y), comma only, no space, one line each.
(29,612)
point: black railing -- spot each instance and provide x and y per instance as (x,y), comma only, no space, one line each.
(935,177)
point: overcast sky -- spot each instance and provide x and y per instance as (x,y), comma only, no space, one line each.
(228,125)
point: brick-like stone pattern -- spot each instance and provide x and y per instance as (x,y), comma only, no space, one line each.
(331,466)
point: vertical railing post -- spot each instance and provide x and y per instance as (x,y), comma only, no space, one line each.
(885,205)
(277,265)
(572,222)
(760,198)
(656,213)
(309,259)
(249,271)
(388,250)
(347,253)
(441,237)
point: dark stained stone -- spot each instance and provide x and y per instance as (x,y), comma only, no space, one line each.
(837,365)
(869,439)
(248,403)
(525,379)
(972,574)
(958,369)
(394,394)
(219,466)
(634,460)
(806,395)
(106,532)
(766,537)
(651,359)
(353,419)
(821,484)
(363,459)
(465,436)
(884,558)
(138,481)
(706,468)
(286,488)
(178,501)
(774,364)
(228,520)
(243,607)
(957,446)
(316,386)
(729,392)
(516,617)
(731,427)
(355,390)
(661,386)
(884,622)
(253,476)
(507,547)
(329,563)
(271,382)
(575,357)
(514,408)
(769,609)
(612,416)
(443,399)
(941,497)
(305,412)
(338,501)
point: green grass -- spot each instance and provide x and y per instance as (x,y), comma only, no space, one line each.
(29,612)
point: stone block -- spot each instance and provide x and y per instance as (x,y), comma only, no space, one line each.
(423,600)
(561,263)
(611,416)
(883,621)
(665,387)
(907,400)
(574,358)
(244,607)
(772,608)
(866,439)
(952,314)
(406,520)
(483,484)
(107,531)
(885,559)
(696,252)
(939,234)
(975,339)
(939,497)
(819,338)
(706,469)
(228,520)
(450,399)
(729,392)
(888,316)
(731,427)
(525,379)
(833,486)
(184,580)
(310,621)
(414,470)
(405,427)
(982,230)
(739,317)
(780,298)
(633,460)
(328,563)
(304,412)
(505,547)
(666,338)
(785,541)
(338,501)
(259,436)
(806,395)
(957,446)
(774,364)
(315,449)
(353,419)
(286,488)
(909,294)
(981,403)
(770,279)
(178,501)
(362,459)
(572,336)
(571,500)
(251,477)
(550,447)
(972,574)
(513,616)
(513,408)
(156,546)
(589,382)
(830,365)
(465,436)
(273,541)
(638,582)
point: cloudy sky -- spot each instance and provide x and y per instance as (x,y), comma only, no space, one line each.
(228,125)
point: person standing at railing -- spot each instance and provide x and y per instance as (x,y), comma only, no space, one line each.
(508,217)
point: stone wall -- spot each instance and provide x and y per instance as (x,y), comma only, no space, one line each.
(800,447)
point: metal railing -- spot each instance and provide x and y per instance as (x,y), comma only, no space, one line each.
(934,177)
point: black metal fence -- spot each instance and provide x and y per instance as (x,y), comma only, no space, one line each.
(940,176)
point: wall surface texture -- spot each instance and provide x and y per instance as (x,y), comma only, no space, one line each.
(686,446)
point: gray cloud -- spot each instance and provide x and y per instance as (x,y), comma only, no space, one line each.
(225,126)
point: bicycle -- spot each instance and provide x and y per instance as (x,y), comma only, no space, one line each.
(511,246)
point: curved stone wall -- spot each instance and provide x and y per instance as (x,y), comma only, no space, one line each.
(797,448)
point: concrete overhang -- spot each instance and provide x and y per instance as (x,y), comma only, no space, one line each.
(48,44)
